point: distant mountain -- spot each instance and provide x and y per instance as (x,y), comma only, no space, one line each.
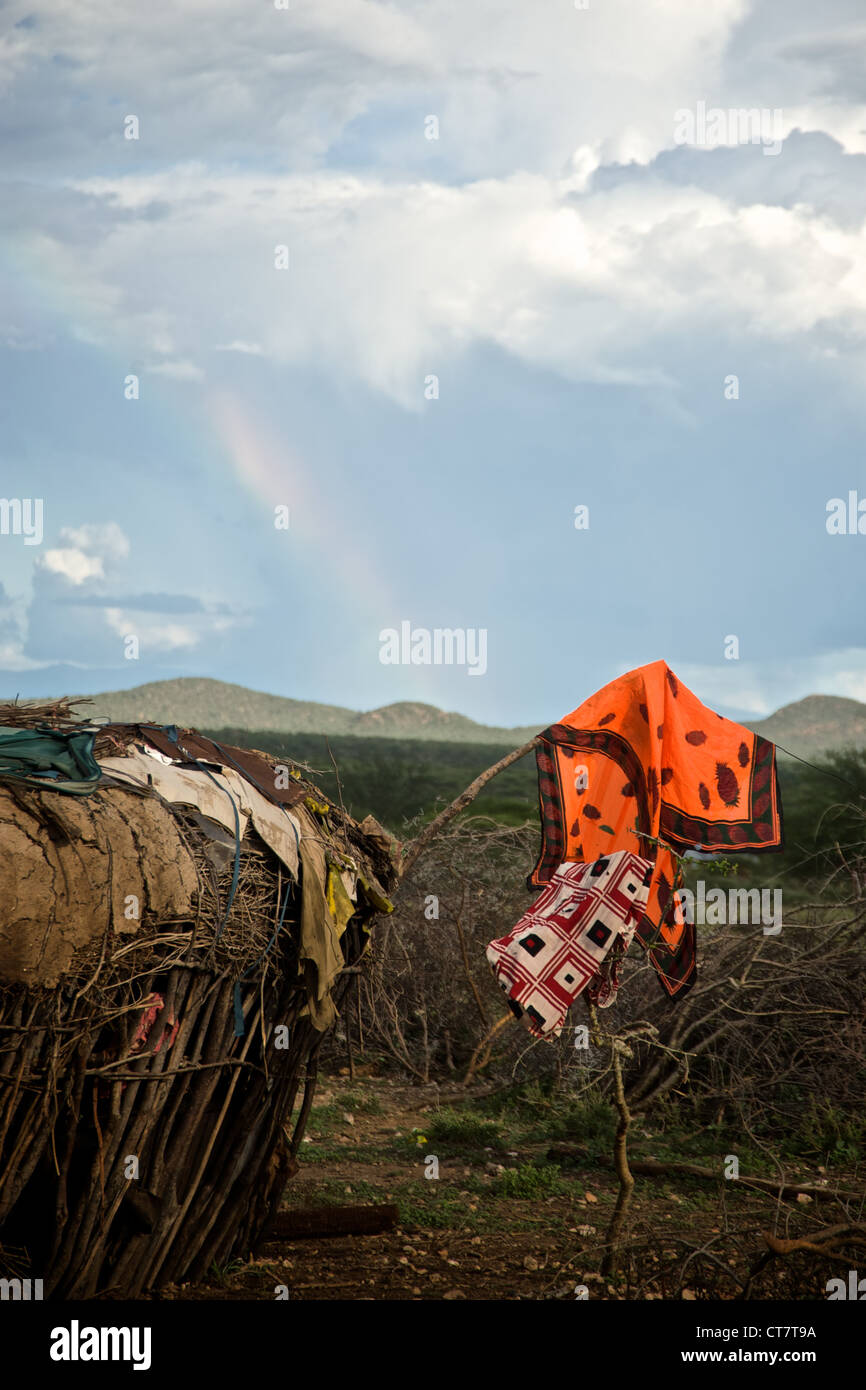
(210,704)
(816,725)
(808,727)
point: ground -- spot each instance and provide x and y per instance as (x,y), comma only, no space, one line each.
(500,1221)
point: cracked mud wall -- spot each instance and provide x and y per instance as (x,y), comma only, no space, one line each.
(68,869)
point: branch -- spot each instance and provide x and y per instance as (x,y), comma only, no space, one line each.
(420,843)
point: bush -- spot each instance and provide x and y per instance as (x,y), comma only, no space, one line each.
(530,1182)
(465,1132)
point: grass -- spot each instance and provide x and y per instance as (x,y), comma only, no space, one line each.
(461,1131)
(531,1182)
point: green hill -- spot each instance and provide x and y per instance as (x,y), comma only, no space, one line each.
(807,727)
(201,703)
(818,724)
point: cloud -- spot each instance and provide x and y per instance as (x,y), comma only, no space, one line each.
(587,281)
(588,239)
(149,603)
(757,689)
(249,349)
(72,564)
(178,371)
(104,538)
(84,558)
(73,575)
(152,636)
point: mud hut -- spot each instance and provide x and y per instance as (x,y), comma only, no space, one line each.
(180,921)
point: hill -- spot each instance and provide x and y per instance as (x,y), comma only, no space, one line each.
(807,727)
(817,724)
(202,703)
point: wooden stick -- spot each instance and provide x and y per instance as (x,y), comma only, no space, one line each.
(651,1167)
(307,1223)
(420,843)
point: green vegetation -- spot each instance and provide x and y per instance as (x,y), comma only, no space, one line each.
(459,1131)
(397,779)
(400,780)
(531,1181)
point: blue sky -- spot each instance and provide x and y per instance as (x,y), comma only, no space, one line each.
(580,283)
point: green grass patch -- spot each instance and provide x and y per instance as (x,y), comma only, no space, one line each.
(531,1182)
(461,1131)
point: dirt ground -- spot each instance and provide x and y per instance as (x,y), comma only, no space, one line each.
(499,1222)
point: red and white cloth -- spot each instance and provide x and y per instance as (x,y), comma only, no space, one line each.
(560,946)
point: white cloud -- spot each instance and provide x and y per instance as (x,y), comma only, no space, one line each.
(388,282)
(178,371)
(71,564)
(104,538)
(760,688)
(153,634)
(249,349)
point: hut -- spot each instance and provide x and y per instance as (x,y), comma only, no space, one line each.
(180,921)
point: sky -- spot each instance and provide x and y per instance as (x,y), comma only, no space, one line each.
(320,320)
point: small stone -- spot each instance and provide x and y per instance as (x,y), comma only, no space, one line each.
(530,1262)
(588,1196)
(454,1293)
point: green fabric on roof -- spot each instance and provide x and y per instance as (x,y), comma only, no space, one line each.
(50,758)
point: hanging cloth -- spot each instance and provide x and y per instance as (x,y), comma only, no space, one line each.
(561,945)
(644,766)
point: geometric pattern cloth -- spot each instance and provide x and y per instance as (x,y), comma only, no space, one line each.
(643,766)
(563,942)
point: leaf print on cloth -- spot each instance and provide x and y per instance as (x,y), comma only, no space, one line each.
(727,785)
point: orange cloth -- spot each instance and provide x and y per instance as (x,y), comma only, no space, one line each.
(643,765)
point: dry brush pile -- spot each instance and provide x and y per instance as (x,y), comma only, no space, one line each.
(771,1037)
